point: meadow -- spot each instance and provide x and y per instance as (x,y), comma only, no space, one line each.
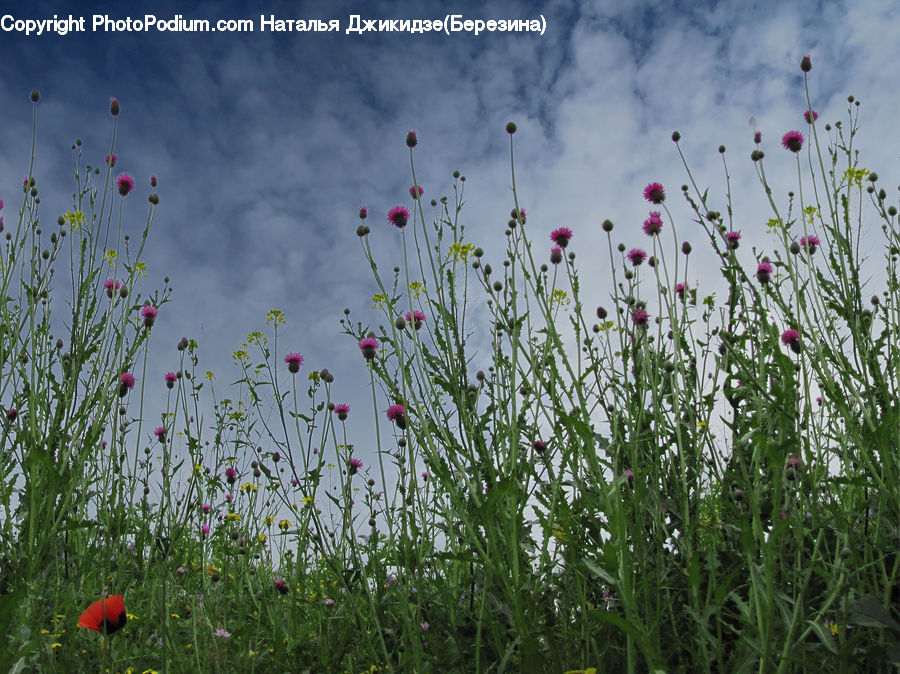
(673,481)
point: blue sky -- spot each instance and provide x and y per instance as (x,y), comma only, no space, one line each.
(266,145)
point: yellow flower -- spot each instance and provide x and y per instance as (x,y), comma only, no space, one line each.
(284,525)
(378,299)
(460,251)
(74,218)
(261,538)
(233,517)
(269,520)
(175,616)
(56,644)
(276,317)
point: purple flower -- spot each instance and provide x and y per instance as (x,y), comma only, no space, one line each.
(556,255)
(160,433)
(170,378)
(231,475)
(398,216)
(126,383)
(653,224)
(149,315)
(764,272)
(416,318)
(679,290)
(411,140)
(640,317)
(791,338)
(757,137)
(815,116)
(353,466)
(561,236)
(363,212)
(654,193)
(342,411)
(734,239)
(125,183)
(397,414)
(539,446)
(110,160)
(368,346)
(110,286)
(637,256)
(412,191)
(793,141)
(222,634)
(805,64)
(810,242)
(204,531)
(281,586)
(294,361)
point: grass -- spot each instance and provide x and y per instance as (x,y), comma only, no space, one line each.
(668,483)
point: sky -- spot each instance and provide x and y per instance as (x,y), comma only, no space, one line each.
(266,144)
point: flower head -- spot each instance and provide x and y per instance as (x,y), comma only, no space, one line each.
(397,414)
(222,634)
(413,191)
(126,383)
(111,160)
(561,236)
(160,433)
(653,224)
(204,531)
(540,446)
(654,193)
(353,466)
(734,239)
(416,318)
(398,216)
(556,255)
(636,256)
(114,106)
(125,183)
(791,338)
(679,290)
(805,64)
(171,378)
(793,141)
(757,137)
(294,361)
(148,313)
(231,475)
(12,413)
(281,586)
(806,116)
(811,243)
(363,212)
(368,346)
(342,411)
(764,272)
(110,286)
(640,317)
(411,140)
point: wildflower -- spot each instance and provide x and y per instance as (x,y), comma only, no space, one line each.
(679,290)
(125,184)
(791,338)
(654,193)
(637,256)
(806,115)
(204,531)
(170,378)
(105,615)
(757,137)
(126,383)
(354,465)
(398,216)
(416,318)
(222,634)
(539,446)
(413,190)
(424,475)
(294,361)
(329,601)
(640,317)
(561,236)
(206,508)
(114,106)
(805,64)
(764,272)
(342,411)
(653,224)
(793,141)
(363,212)
(424,625)
(11,414)
(149,315)
(368,346)
(810,242)
(629,475)
(281,586)
(556,255)
(411,140)
(160,433)
(284,525)
(231,475)
(111,160)
(396,413)
(110,286)
(734,239)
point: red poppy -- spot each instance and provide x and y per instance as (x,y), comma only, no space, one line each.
(105,615)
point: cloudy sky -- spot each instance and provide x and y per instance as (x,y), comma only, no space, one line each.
(266,144)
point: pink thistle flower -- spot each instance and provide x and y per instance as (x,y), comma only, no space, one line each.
(149,315)
(160,433)
(425,475)
(368,346)
(411,139)
(561,236)
(114,106)
(636,256)
(231,475)
(679,290)
(412,192)
(125,183)
(556,255)
(654,193)
(204,532)
(734,239)
(416,318)
(791,338)
(425,626)
(805,64)
(170,378)
(397,414)
(281,586)
(153,181)
(2,204)
(353,466)
(110,286)
(207,508)
(329,601)
(539,446)
(640,317)
(653,224)
(793,141)
(811,243)
(111,160)
(342,411)
(363,212)
(229,498)
(294,361)
(11,414)
(757,137)
(815,116)
(398,216)
(764,272)
(126,383)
